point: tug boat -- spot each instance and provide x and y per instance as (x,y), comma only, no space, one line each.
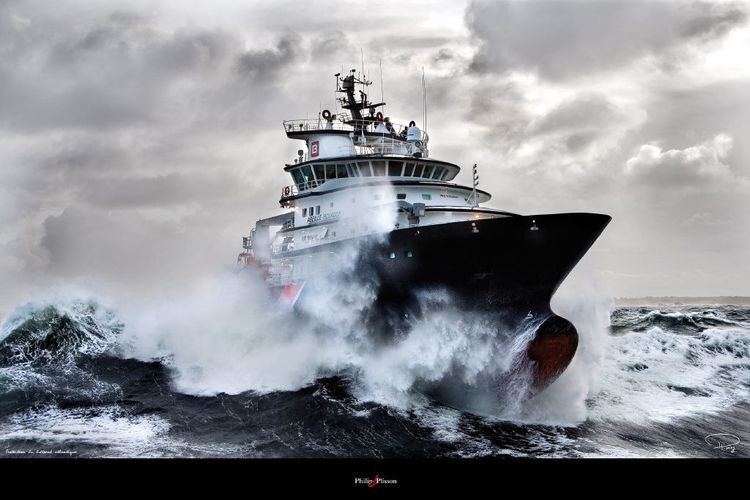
(364,180)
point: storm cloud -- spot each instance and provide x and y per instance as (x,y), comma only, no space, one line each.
(138,143)
(577,39)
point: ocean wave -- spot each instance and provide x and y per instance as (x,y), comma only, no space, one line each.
(687,320)
(271,378)
(45,333)
(660,376)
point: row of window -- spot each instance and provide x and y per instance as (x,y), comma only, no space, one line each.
(311,211)
(316,209)
(402,196)
(316,174)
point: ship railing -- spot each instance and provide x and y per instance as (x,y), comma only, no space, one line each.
(294,189)
(277,279)
(388,146)
(344,123)
(280,277)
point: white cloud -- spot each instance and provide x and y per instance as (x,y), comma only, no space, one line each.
(701,166)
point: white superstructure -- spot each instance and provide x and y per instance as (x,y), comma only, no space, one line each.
(359,174)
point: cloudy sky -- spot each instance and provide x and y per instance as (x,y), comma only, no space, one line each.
(140,139)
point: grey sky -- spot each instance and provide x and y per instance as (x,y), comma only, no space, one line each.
(139,139)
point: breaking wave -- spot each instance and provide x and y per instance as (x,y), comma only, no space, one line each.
(268,382)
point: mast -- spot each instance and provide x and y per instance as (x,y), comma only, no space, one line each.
(348,86)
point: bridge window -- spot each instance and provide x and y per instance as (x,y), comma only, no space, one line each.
(330,172)
(341,171)
(378,168)
(307,173)
(299,179)
(364,169)
(418,170)
(409,170)
(438,173)
(394,168)
(320,173)
(445,175)
(428,171)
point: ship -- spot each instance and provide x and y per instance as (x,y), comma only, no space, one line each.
(363,180)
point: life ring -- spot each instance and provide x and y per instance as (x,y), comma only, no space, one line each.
(287,190)
(326,114)
(379,116)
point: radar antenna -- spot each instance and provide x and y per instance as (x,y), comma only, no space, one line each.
(347,86)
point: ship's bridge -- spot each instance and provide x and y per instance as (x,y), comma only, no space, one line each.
(308,175)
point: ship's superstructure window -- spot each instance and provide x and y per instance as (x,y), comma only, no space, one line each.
(307,173)
(392,255)
(320,173)
(401,196)
(317,210)
(426,196)
(395,168)
(304,212)
(408,254)
(378,168)
(364,169)
(309,176)
(299,179)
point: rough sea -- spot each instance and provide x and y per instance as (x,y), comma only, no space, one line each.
(219,376)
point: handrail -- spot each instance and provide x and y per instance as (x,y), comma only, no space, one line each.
(345,124)
(389,146)
(294,189)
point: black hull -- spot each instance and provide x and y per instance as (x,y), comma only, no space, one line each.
(508,265)
(512,263)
